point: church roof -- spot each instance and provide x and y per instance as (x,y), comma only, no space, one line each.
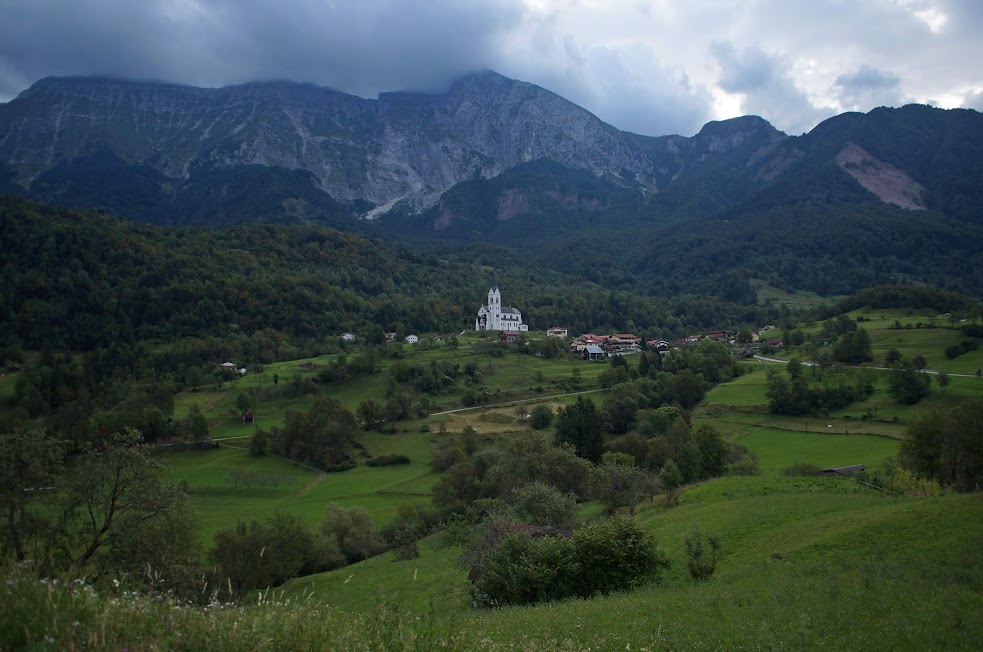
(509,310)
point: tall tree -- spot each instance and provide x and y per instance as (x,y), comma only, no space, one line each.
(671,479)
(30,465)
(579,424)
(619,482)
(110,493)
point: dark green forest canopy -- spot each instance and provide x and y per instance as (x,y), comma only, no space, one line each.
(80,280)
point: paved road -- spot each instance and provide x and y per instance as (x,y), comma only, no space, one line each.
(810,364)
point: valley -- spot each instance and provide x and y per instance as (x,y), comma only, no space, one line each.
(242,406)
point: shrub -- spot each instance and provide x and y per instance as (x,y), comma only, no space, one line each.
(956,350)
(542,417)
(524,570)
(806,469)
(616,555)
(344,465)
(611,555)
(700,561)
(387,460)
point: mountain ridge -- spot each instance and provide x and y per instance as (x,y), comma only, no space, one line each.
(405,146)
(498,161)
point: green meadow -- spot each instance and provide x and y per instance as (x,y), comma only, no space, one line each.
(228,484)
(808,563)
(799,300)
(866,432)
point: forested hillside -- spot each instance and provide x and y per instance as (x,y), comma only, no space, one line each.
(80,280)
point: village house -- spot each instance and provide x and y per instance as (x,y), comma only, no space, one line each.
(585,340)
(659,346)
(622,344)
(508,336)
(495,317)
(593,352)
(412,339)
(347,337)
(556,331)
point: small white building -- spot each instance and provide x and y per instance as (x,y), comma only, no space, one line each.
(412,339)
(347,337)
(494,317)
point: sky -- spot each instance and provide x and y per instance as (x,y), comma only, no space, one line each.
(653,67)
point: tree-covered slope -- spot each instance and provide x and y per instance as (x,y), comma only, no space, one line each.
(75,279)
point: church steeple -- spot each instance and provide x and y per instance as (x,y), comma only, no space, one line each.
(493,317)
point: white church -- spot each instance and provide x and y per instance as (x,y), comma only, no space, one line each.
(494,317)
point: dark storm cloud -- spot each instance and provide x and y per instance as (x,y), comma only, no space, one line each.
(767,85)
(746,71)
(867,87)
(358,47)
(649,66)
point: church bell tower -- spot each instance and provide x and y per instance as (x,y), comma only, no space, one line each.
(494,308)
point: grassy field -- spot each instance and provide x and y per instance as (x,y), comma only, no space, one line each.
(800,300)
(812,563)
(864,433)
(221,494)
(808,563)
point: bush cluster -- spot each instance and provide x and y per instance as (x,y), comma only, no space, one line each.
(607,556)
(387,460)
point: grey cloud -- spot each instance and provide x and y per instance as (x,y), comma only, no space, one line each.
(867,87)
(765,81)
(743,71)
(360,47)
(973,101)
(656,102)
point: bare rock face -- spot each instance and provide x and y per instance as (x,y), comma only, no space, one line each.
(284,150)
(403,146)
(889,183)
(403,149)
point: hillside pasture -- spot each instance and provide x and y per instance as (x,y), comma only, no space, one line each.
(778,449)
(745,390)
(808,563)
(211,479)
(797,300)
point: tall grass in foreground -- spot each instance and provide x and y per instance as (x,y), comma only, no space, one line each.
(52,615)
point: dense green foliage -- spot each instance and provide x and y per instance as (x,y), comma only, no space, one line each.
(947,446)
(111,510)
(82,281)
(603,557)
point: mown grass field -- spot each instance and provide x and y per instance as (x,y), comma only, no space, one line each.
(800,300)
(221,498)
(808,563)
(866,432)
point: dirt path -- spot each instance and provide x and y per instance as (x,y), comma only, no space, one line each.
(538,399)
(310,485)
